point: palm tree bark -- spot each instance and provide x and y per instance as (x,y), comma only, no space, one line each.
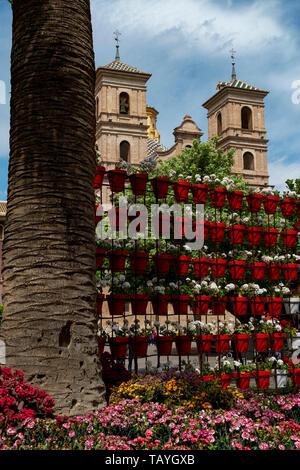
(50,320)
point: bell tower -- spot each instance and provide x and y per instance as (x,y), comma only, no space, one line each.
(236,115)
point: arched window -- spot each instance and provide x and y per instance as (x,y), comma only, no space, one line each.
(248,161)
(246,117)
(97,106)
(124,150)
(219,124)
(124,103)
(188,147)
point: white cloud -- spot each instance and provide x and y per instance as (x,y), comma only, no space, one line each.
(280,170)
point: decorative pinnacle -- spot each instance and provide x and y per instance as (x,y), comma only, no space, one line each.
(233,75)
(117,34)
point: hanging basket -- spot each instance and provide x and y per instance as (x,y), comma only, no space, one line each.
(277,341)
(162,263)
(258,305)
(254,202)
(160,187)
(139,346)
(239,305)
(160,304)
(241,342)
(290,271)
(257,270)
(222,343)
(180,304)
(116,304)
(118,346)
(262,378)
(237,269)
(219,305)
(217,232)
(117,260)
(139,303)
(254,235)
(164,345)
(236,234)
(275,306)
(235,199)
(270,237)
(138,182)
(116,180)
(181,191)
(260,341)
(201,304)
(100,253)
(274,271)
(289,238)
(139,262)
(101,345)
(242,380)
(270,204)
(183,345)
(218,268)
(204,343)
(181,265)
(199,192)
(117,218)
(201,267)
(100,299)
(99,176)
(218,197)
(225,380)
(287,207)
(208,378)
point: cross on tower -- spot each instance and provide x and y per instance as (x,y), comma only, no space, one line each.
(117,34)
(233,75)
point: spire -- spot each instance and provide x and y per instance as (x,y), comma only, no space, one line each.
(117,34)
(233,74)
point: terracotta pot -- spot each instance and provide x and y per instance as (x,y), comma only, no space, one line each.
(218,268)
(290,271)
(181,191)
(118,346)
(201,267)
(217,232)
(100,253)
(254,235)
(164,345)
(139,262)
(117,260)
(203,343)
(235,199)
(183,345)
(218,197)
(160,304)
(262,378)
(139,303)
(138,183)
(260,341)
(117,218)
(219,305)
(239,305)
(270,237)
(258,305)
(116,304)
(222,343)
(180,304)
(257,270)
(295,375)
(162,263)
(236,234)
(100,299)
(99,176)
(101,345)
(242,380)
(274,271)
(275,306)
(270,204)
(116,180)
(160,186)
(181,265)
(201,304)
(199,192)
(241,342)
(289,238)
(139,346)
(237,269)
(254,202)
(277,341)
(287,207)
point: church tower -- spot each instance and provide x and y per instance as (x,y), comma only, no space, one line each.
(236,115)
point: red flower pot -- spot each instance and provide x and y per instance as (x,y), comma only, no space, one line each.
(274,271)
(277,340)
(100,299)
(237,269)
(242,380)
(162,263)
(270,204)
(138,183)
(219,305)
(218,268)
(139,303)
(116,304)
(139,262)
(117,218)
(139,346)
(99,176)
(181,265)
(160,186)
(217,232)
(289,238)
(225,380)
(101,344)
(180,304)
(203,343)
(235,199)
(164,345)
(183,345)
(201,304)
(258,305)
(298,209)
(260,341)
(275,306)
(254,202)
(287,207)
(270,236)
(181,191)
(290,271)
(118,346)
(239,305)
(199,192)
(160,304)
(218,197)
(201,228)
(222,343)
(201,266)
(241,342)
(208,378)
(236,234)
(254,235)
(257,270)
(100,252)
(295,375)
(116,180)
(117,260)
(262,378)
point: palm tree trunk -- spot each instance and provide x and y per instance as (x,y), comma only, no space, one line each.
(49,267)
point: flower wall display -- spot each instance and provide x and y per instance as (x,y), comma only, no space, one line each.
(248,267)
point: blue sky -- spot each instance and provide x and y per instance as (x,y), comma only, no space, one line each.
(185,44)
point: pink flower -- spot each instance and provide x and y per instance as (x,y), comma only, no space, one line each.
(263,446)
